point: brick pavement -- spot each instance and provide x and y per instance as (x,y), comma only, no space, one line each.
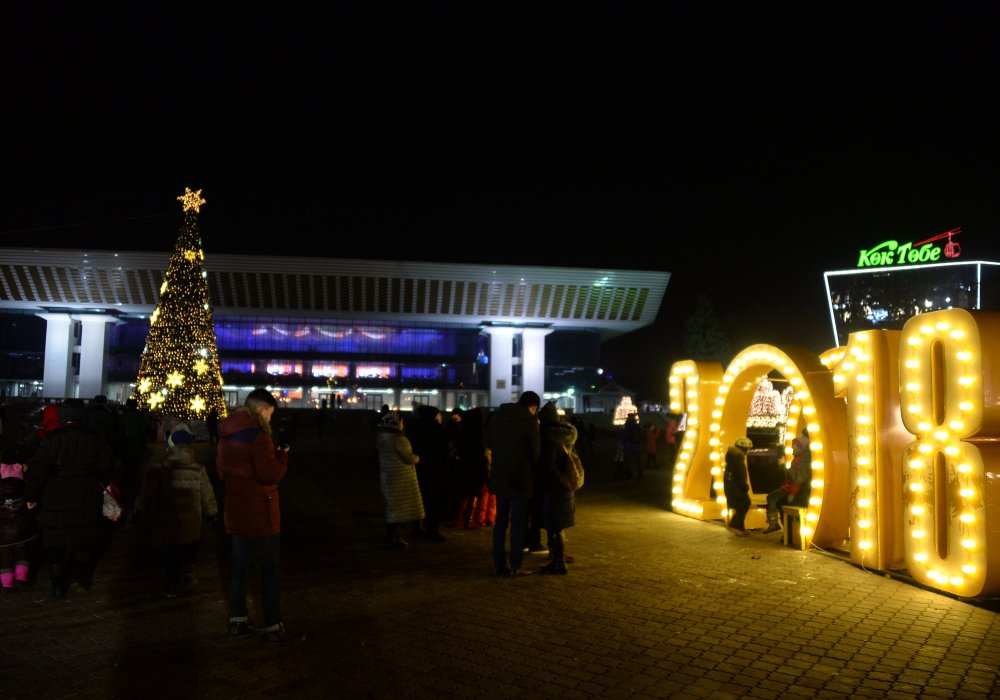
(656,606)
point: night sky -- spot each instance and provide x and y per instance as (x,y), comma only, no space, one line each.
(744,153)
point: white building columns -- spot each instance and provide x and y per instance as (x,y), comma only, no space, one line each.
(533,359)
(94,343)
(58,374)
(58,381)
(502,361)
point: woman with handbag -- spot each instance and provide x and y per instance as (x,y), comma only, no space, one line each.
(558,502)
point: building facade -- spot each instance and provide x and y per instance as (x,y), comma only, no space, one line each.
(324,331)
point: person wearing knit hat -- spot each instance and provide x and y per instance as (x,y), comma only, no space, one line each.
(398,479)
(174,498)
(181,436)
(391,420)
(736,484)
(18,525)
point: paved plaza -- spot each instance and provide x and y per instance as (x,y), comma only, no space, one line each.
(656,605)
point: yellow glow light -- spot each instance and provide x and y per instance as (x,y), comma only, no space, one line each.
(191,201)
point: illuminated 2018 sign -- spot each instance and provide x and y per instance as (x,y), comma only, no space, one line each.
(893,253)
(905,442)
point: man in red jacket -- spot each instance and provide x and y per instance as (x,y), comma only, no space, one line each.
(251,467)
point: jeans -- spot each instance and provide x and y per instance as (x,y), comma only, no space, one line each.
(633,460)
(775,500)
(513,512)
(267,551)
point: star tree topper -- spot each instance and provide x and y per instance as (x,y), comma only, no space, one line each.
(191,200)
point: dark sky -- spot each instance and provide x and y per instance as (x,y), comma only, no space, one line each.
(744,153)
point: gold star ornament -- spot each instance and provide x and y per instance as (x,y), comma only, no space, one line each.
(191,201)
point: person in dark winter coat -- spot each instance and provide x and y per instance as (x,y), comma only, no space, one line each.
(736,485)
(65,481)
(558,502)
(513,440)
(795,490)
(18,526)
(175,496)
(251,468)
(133,430)
(102,419)
(430,442)
(472,471)
(632,440)
(398,479)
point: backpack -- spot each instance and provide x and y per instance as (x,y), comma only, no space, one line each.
(571,477)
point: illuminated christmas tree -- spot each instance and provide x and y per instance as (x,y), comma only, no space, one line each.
(623,409)
(179,373)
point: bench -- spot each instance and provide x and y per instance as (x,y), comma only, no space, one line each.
(792,515)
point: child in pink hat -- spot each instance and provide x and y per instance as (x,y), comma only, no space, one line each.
(18,528)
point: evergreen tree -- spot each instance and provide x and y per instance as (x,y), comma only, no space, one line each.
(704,336)
(179,372)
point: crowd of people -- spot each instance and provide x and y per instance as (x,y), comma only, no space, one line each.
(467,468)
(55,474)
(475,469)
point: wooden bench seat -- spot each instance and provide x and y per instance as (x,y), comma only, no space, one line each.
(792,516)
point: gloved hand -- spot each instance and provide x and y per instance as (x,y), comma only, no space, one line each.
(212,520)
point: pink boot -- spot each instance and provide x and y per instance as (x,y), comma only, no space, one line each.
(7,580)
(21,572)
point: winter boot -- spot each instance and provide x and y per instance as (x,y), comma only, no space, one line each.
(7,580)
(189,580)
(417,528)
(21,574)
(556,550)
(463,517)
(772,524)
(394,540)
(432,532)
(59,580)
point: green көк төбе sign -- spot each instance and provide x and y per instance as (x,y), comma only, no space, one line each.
(926,251)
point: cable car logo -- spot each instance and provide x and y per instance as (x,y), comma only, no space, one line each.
(893,253)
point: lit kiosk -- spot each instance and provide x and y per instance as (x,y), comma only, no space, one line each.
(894,282)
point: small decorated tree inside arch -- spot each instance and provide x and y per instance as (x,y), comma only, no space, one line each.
(624,408)
(179,372)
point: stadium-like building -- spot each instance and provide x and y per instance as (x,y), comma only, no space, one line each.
(323,331)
